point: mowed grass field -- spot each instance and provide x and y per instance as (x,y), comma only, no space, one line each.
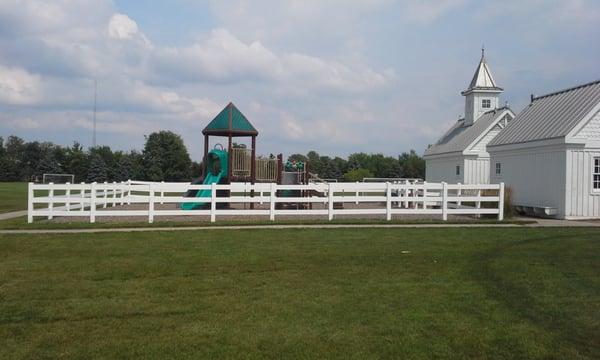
(13,196)
(512,293)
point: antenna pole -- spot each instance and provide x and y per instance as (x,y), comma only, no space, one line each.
(94,119)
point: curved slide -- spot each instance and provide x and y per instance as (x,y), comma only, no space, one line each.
(216,172)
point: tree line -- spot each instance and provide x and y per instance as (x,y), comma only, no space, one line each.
(361,165)
(166,158)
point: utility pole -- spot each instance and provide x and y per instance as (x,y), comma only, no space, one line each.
(95,99)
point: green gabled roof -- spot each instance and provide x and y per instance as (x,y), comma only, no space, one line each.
(230,121)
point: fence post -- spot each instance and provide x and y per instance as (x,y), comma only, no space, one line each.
(114,194)
(128,191)
(162,192)
(105,195)
(260,193)
(68,196)
(459,194)
(388,202)
(30,203)
(213,202)
(122,192)
(444,201)
(478,203)
(329,201)
(405,193)
(51,203)
(272,203)
(93,203)
(501,202)
(357,192)
(150,203)
(424,195)
(82,193)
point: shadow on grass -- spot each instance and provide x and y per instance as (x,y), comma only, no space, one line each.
(497,271)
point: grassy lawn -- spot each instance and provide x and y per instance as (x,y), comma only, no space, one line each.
(20,223)
(339,293)
(13,196)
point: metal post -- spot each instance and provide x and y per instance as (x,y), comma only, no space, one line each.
(30,203)
(272,203)
(51,203)
(501,202)
(93,203)
(444,201)
(213,202)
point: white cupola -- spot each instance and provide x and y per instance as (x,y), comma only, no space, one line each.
(482,94)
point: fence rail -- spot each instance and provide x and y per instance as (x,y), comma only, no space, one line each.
(266,199)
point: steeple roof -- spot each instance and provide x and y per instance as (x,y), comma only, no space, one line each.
(482,79)
(230,121)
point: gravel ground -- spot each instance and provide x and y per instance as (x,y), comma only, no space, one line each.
(206,218)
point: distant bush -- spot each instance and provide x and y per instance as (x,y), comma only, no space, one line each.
(357,175)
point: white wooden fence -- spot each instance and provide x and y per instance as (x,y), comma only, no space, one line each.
(325,199)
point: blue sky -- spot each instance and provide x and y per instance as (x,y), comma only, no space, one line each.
(335,76)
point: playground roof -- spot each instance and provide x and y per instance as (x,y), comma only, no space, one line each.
(230,121)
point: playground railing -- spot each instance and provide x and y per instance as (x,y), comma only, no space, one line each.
(152,199)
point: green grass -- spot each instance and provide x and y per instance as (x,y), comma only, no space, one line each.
(340,293)
(13,196)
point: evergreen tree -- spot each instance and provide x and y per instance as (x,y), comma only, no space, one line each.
(165,157)
(97,171)
(77,162)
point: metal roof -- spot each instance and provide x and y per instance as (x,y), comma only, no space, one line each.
(551,116)
(230,121)
(482,79)
(460,136)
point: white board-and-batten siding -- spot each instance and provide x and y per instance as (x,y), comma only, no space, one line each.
(444,169)
(481,145)
(477,170)
(536,177)
(581,200)
(473,170)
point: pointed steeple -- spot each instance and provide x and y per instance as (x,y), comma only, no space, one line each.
(482,93)
(482,79)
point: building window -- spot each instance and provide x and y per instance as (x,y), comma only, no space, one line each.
(457,170)
(486,103)
(596,175)
(498,168)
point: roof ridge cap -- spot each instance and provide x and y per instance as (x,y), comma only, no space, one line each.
(534,98)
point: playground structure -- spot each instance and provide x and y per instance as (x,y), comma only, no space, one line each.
(233,177)
(239,164)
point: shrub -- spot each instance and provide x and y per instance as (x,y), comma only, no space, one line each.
(357,175)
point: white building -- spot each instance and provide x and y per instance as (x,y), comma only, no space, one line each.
(460,156)
(550,154)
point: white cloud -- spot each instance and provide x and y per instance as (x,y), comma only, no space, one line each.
(222,57)
(121,27)
(18,87)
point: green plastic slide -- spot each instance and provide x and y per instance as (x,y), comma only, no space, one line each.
(216,172)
